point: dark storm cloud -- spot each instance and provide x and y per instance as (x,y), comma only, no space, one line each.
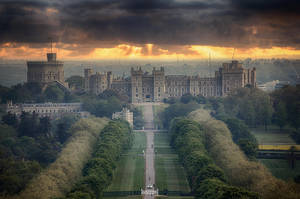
(233,23)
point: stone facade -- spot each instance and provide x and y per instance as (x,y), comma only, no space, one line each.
(46,71)
(154,87)
(52,110)
(125,114)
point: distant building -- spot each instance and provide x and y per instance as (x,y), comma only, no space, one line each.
(155,87)
(45,72)
(49,109)
(125,114)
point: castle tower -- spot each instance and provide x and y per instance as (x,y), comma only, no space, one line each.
(158,84)
(87,74)
(234,76)
(46,71)
(136,85)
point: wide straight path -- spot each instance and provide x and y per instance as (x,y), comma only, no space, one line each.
(149,155)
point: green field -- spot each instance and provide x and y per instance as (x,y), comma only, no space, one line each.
(281,168)
(272,136)
(129,174)
(169,174)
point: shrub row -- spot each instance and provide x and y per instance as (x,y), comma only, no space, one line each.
(205,178)
(98,172)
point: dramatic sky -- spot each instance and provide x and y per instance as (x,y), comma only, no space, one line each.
(150,29)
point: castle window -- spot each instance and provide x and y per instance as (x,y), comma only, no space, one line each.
(158,89)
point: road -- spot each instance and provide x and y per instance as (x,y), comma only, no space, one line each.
(149,155)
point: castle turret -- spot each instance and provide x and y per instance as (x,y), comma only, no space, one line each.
(136,85)
(46,71)
(87,74)
(158,84)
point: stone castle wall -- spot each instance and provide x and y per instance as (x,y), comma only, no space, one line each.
(144,87)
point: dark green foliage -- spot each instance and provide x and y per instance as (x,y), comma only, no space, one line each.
(28,124)
(34,143)
(177,110)
(242,136)
(251,105)
(108,93)
(98,172)
(138,118)
(34,93)
(287,100)
(54,94)
(187,98)
(102,107)
(10,119)
(207,181)
(15,174)
(296,136)
(280,115)
(215,189)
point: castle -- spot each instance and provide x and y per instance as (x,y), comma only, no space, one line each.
(46,72)
(144,87)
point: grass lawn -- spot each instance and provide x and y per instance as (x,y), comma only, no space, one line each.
(272,136)
(129,174)
(157,109)
(169,174)
(281,169)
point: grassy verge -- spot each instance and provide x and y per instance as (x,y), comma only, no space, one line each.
(129,174)
(272,136)
(169,174)
(281,168)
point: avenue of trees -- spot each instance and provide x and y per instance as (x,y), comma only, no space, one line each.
(240,132)
(61,175)
(98,171)
(240,171)
(28,144)
(251,106)
(206,179)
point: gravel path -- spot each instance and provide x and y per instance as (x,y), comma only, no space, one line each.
(150,171)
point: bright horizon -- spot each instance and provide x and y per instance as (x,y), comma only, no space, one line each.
(149,52)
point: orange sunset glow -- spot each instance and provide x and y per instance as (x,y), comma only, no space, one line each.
(149,51)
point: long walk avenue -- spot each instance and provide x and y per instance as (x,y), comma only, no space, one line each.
(150,190)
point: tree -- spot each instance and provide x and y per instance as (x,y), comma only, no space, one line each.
(280,115)
(45,126)
(10,119)
(54,94)
(62,132)
(186,98)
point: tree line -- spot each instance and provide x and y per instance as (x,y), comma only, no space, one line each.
(205,178)
(97,173)
(240,132)
(27,144)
